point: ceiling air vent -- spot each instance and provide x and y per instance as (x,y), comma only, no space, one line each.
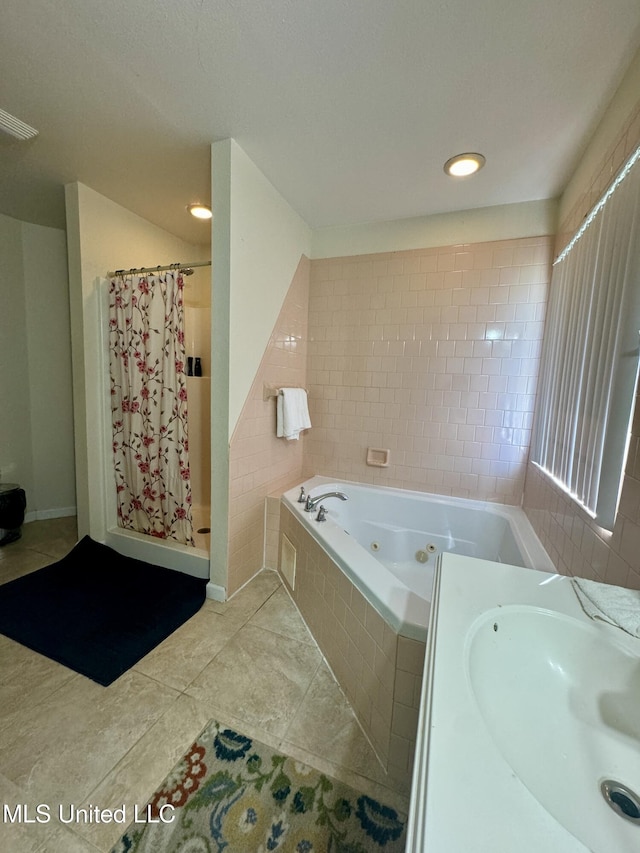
(14,127)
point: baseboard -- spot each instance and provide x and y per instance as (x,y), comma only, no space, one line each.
(216,592)
(42,514)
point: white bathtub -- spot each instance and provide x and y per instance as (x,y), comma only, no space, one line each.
(387,542)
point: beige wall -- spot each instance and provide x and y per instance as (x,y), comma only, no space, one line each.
(36,437)
(481,225)
(576,545)
(15,423)
(432,354)
(49,345)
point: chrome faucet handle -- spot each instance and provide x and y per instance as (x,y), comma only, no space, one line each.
(302,497)
(322,514)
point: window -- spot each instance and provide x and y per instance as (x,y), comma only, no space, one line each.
(590,353)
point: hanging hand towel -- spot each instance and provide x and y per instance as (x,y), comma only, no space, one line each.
(292,413)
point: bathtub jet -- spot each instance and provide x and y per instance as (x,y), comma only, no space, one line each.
(374,539)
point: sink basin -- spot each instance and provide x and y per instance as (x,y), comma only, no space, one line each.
(560,698)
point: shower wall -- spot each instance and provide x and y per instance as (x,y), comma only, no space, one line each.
(197,321)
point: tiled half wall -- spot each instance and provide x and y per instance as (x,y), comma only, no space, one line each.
(433,354)
(379,671)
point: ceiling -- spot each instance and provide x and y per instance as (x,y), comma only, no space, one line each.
(349,109)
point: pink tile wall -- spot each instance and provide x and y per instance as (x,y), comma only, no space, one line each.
(259,462)
(575,544)
(620,150)
(433,354)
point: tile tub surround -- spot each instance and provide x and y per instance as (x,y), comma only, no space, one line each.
(379,671)
(434,354)
(61,735)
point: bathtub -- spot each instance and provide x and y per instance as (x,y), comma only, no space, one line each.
(387,541)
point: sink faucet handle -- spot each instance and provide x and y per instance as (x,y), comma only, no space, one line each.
(322,514)
(302,497)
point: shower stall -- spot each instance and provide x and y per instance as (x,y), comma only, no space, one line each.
(158,357)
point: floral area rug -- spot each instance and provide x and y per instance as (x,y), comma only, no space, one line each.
(231,793)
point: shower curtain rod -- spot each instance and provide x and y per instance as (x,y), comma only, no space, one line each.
(143,270)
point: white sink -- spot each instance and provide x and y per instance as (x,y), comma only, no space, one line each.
(560,699)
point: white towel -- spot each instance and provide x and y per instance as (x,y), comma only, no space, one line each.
(608,603)
(292,413)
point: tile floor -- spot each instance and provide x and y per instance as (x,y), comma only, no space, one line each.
(249,662)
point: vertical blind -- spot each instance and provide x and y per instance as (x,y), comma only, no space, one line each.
(590,353)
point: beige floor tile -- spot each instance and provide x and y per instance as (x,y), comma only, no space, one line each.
(26,673)
(54,537)
(64,747)
(41,543)
(249,663)
(259,676)
(136,776)
(186,652)
(279,614)
(250,598)
(33,826)
(21,561)
(326,725)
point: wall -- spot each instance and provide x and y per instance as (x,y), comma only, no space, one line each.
(258,243)
(36,434)
(267,240)
(15,424)
(260,463)
(49,346)
(576,545)
(103,236)
(482,225)
(432,353)
(197,322)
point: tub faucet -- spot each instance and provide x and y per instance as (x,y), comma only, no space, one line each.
(312,503)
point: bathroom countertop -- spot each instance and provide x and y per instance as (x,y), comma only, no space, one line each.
(465,796)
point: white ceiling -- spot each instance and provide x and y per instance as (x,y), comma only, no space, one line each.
(349,108)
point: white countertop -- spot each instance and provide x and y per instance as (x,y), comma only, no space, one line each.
(465,796)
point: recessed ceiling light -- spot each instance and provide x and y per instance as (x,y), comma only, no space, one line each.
(200,211)
(13,126)
(463,165)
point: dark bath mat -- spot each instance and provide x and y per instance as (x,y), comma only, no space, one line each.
(96,611)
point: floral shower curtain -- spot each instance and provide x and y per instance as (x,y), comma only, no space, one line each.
(149,405)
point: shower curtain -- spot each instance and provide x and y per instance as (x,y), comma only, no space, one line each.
(149,405)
